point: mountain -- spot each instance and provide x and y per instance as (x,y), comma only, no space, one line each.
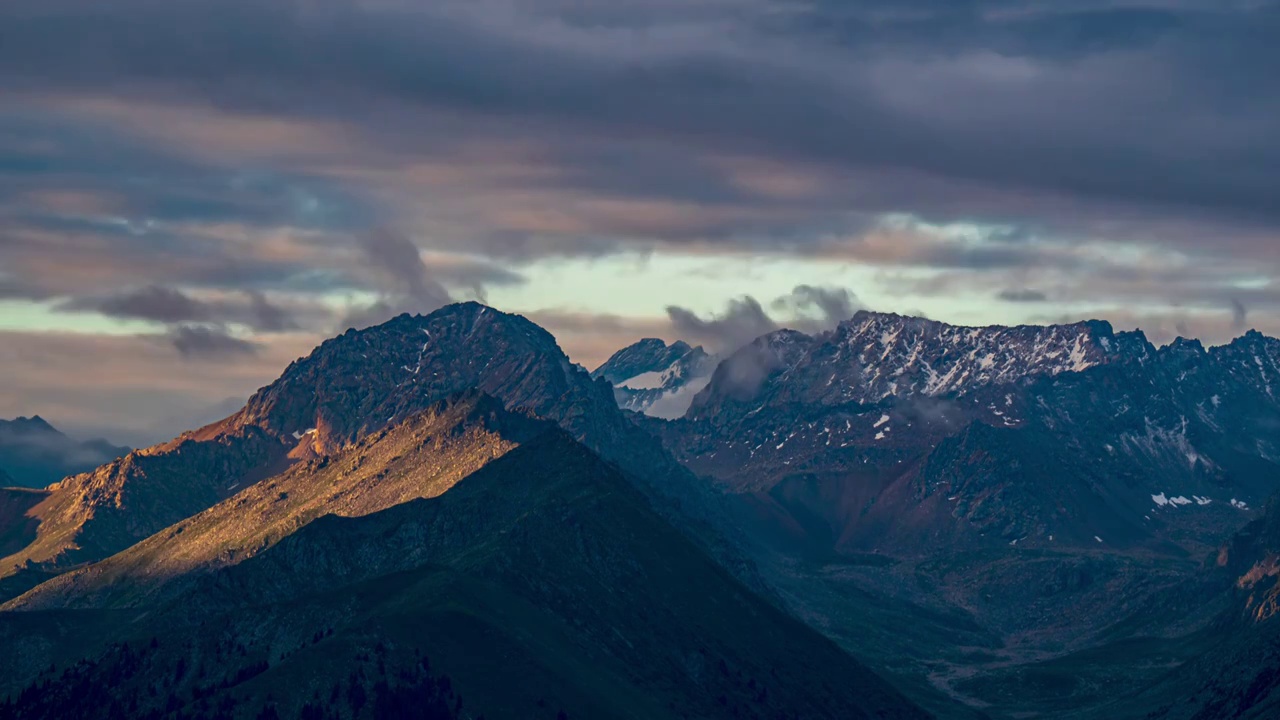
(35,454)
(1019,497)
(478,560)
(1230,668)
(1006,522)
(940,421)
(654,378)
(349,387)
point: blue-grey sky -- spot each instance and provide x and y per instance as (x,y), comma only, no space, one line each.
(194,192)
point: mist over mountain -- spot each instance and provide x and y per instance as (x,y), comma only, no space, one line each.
(657,379)
(34,454)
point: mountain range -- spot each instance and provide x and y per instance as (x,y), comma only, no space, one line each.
(894,518)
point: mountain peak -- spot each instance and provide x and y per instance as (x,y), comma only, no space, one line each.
(364,379)
(33,424)
(649,370)
(1181,345)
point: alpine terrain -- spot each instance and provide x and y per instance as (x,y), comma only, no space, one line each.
(443,516)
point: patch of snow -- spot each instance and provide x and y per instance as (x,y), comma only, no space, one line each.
(1239,504)
(883,419)
(1160,499)
(1095,537)
(880,435)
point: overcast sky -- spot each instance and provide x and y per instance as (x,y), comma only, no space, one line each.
(195,192)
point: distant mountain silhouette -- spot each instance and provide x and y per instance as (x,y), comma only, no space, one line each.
(35,454)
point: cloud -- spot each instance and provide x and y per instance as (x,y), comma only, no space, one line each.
(264,315)
(154,302)
(745,319)
(1239,315)
(167,305)
(407,285)
(742,321)
(130,388)
(1022,295)
(676,403)
(835,305)
(199,341)
(852,83)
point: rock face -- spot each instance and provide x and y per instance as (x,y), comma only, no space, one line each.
(654,378)
(35,454)
(532,573)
